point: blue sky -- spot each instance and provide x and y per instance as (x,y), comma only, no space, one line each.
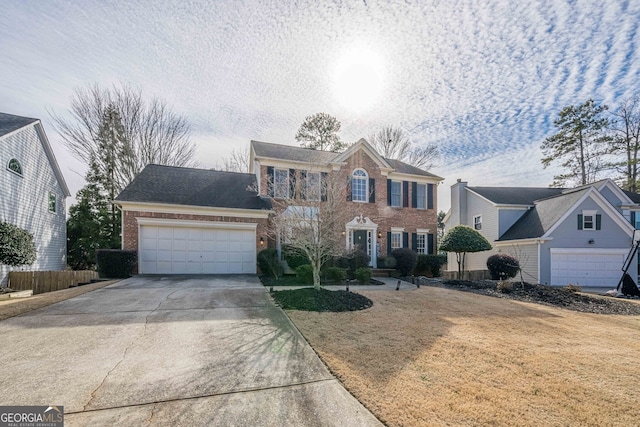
(482,79)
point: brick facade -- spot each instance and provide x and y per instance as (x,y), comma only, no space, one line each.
(379,212)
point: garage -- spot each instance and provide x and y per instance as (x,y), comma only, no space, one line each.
(587,267)
(206,248)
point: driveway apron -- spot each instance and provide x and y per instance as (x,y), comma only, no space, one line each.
(188,350)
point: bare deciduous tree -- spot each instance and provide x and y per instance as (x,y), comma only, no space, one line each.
(237,161)
(311,223)
(394,143)
(153,133)
(625,125)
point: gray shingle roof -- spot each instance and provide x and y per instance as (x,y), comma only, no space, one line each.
(635,197)
(307,155)
(9,123)
(194,187)
(539,219)
(515,195)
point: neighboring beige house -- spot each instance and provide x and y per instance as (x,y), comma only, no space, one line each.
(32,191)
(183,220)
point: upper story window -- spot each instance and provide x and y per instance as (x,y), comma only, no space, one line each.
(421,192)
(359,181)
(281,183)
(477,222)
(589,220)
(313,186)
(15,166)
(52,202)
(396,194)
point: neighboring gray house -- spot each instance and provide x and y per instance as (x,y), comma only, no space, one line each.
(32,191)
(580,235)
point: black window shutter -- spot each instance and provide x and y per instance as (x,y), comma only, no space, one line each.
(579,221)
(348,189)
(270,182)
(430,196)
(292,183)
(388,192)
(430,244)
(405,194)
(414,194)
(414,241)
(303,185)
(598,221)
(388,243)
(633,219)
(372,190)
(405,240)
(323,186)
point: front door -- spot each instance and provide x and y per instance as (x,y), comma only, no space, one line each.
(360,240)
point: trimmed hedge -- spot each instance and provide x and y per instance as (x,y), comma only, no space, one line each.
(363,275)
(502,266)
(305,274)
(115,263)
(335,274)
(294,258)
(16,245)
(405,260)
(269,263)
(429,265)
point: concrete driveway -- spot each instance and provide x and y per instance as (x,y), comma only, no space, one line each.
(190,350)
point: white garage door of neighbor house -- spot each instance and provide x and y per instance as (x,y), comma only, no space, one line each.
(597,268)
(197,250)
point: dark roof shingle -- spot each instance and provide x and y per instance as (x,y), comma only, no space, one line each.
(9,123)
(194,187)
(515,195)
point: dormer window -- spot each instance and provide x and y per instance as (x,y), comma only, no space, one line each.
(15,167)
(359,181)
(589,220)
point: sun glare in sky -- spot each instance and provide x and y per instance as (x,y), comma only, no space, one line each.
(359,79)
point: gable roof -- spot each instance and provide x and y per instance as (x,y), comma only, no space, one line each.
(515,195)
(309,155)
(194,187)
(547,212)
(10,123)
(634,197)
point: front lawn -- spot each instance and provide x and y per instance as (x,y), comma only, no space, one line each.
(436,356)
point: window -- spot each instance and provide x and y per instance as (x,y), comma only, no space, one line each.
(396,240)
(281,183)
(421,243)
(396,194)
(15,166)
(359,181)
(421,191)
(477,222)
(313,186)
(52,202)
(587,222)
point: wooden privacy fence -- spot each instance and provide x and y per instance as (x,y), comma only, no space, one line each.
(47,281)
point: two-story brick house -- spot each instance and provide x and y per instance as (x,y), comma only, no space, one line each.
(185,220)
(388,204)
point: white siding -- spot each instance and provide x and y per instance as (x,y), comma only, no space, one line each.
(24,201)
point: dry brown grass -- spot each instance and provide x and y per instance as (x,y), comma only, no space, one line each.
(434,357)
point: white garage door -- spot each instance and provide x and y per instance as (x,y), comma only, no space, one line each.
(197,250)
(587,268)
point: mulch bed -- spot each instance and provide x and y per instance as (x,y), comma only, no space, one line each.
(547,295)
(310,299)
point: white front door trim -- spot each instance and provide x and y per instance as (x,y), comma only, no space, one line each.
(361,222)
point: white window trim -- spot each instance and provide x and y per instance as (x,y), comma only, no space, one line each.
(592,214)
(55,202)
(424,196)
(14,172)
(308,187)
(425,249)
(399,205)
(477,223)
(399,234)
(275,184)
(366,185)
